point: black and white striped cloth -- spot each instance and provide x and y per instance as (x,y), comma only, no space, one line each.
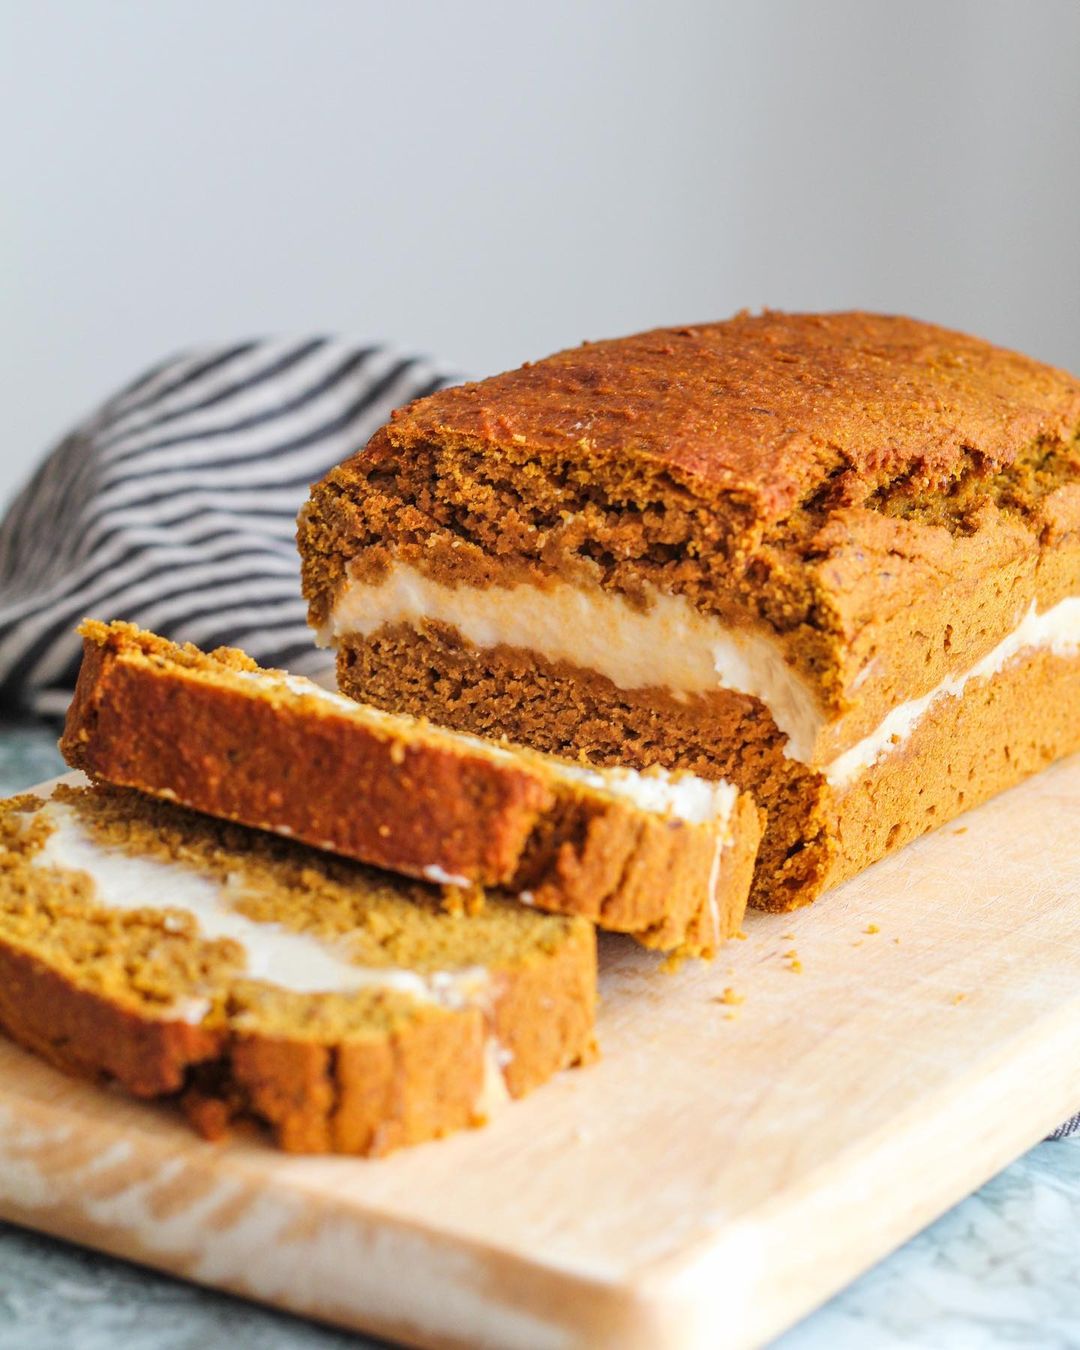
(1070,1126)
(174,506)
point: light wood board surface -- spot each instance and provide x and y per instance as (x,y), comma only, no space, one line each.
(722,1170)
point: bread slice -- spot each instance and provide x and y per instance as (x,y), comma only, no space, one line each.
(665,857)
(246,975)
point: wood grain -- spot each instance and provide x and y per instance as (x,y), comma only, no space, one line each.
(725,1167)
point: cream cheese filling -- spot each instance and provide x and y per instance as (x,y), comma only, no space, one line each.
(697,801)
(669,645)
(296,961)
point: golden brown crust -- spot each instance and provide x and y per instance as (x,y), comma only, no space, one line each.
(362,1097)
(368,1087)
(427,1079)
(175,722)
(141,717)
(652,876)
(766,406)
(85,1034)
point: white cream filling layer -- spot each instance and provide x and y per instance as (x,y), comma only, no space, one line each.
(697,801)
(277,955)
(668,645)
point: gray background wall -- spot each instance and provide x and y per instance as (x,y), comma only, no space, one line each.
(490,181)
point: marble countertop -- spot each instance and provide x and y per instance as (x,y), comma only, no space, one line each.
(1001,1269)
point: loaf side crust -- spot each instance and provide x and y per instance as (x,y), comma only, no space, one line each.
(149,715)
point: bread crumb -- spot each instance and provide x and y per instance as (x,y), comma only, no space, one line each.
(958,998)
(459,900)
(730,996)
(397,752)
(796,966)
(740,936)
(871,928)
(960,829)
(384,831)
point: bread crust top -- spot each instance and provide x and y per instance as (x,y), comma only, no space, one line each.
(769,407)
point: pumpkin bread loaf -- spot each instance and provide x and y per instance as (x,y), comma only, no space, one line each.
(831,558)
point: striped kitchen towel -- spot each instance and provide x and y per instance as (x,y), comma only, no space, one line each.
(174,505)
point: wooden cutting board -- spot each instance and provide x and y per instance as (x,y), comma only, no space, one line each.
(726,1166)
